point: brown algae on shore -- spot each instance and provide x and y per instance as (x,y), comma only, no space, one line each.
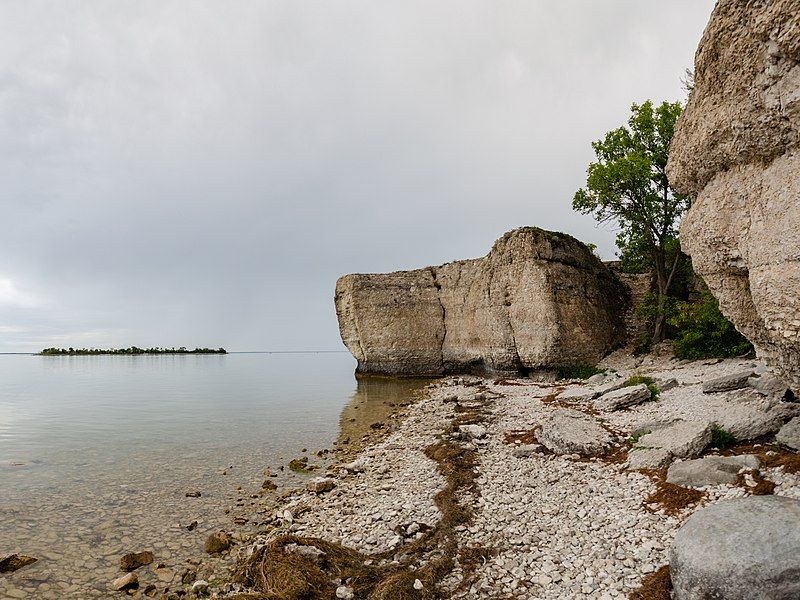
(293,568)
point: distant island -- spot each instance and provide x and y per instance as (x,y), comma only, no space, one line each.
(127,351)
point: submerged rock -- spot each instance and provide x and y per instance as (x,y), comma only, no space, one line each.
(747,549)
(538,301)
(134,560)
(13,562)
(217,542)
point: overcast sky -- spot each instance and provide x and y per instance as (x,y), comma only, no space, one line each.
(200,173)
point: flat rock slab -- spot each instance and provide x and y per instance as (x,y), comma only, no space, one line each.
(649,458)
(684,439)
(736,381)
(745,549)
(710,470)
(624,397)
(789,435)
(572,432)
(577,394)
(749,420)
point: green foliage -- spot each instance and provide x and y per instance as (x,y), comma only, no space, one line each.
(635,438)
(704,332)
(133,350)
(648,381)
(628,184)
(578,372)
(721,438)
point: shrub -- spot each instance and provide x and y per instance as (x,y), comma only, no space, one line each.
(578,372)
(704,332)
(721,438)
(648,381)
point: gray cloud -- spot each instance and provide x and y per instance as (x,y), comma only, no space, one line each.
(201,172)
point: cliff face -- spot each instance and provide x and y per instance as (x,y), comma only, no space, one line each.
(537,301)
(736,151)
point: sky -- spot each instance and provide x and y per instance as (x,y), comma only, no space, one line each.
(200,173)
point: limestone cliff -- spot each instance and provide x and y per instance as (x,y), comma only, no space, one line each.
(735,151)
(539,300)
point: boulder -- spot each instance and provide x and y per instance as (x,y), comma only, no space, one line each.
(537,302)
(789,435)
(134,560)
(749,420)
(710,470)
(745,549)
(683,439)
(623,397)
(126,582)
(727,383)
(472,432)
(217,542)
(571,432)
(735,152)
(769,385)
(319,485)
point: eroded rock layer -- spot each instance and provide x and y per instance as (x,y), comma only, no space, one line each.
(735,151)
(538,301)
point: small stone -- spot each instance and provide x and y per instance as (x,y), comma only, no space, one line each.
(126,582)
(192,526)
(134,560)
(319,485)
(624,397)
(200,588)
(418,585)
(217,542)
(344,592)
(526,451)
(194,494)
(474,431)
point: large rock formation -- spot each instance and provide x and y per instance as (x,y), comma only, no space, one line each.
(735,151)
(539,300)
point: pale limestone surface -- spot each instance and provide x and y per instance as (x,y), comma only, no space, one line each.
(538,301)
(735,151)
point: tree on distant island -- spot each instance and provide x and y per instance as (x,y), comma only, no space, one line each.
(627,183)
(133,350)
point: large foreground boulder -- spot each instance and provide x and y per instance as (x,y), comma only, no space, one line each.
(747,549)
(567,431)
(735,151)
(538,301)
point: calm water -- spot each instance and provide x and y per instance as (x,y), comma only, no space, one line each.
(97,452)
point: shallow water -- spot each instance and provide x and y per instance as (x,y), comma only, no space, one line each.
(98,452)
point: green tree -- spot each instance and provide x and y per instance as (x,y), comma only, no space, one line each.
(627,183)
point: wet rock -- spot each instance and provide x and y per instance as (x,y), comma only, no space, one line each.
(200,588)
(126,582)
(789,435)
(319,485)
(736,381)
(623,397)
(746,549)
(134,560)
(269,486)
(217,542)
(192,526)
(194,494)
(571,432)
(710,470)
(684,439)
(13,562)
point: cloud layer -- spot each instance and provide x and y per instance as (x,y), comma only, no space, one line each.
(200,173)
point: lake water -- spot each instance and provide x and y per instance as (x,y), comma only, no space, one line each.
(97,453)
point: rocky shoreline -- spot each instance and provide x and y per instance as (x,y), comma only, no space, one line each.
(506,488)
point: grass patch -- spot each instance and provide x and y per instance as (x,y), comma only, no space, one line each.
(656,586)
(722,439)
(648,381)
(636,437)
(578,372)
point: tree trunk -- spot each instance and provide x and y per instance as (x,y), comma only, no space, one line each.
(663,280)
